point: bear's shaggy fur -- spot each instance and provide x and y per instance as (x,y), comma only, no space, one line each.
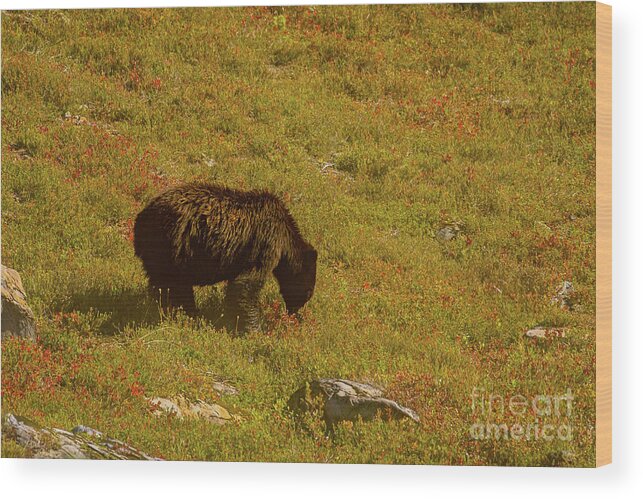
(199,234)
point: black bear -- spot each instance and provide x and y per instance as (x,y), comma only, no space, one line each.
(199,234)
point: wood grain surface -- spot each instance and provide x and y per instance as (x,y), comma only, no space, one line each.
(603,234)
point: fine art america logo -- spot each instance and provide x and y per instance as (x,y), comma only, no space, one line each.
(538,417)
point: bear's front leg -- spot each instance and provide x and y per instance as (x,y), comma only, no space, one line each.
(242,302)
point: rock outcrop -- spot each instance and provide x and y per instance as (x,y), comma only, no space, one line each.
(346,400)
(80,443)
(17,318)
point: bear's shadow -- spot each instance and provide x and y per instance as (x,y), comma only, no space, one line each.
(137,307)
(114,310)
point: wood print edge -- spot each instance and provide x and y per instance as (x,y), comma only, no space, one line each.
(603,234)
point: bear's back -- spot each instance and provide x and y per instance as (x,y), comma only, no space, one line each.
(204,228)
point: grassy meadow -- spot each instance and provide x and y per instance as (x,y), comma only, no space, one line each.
(378,126)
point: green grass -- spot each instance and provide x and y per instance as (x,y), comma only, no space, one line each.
(377,125)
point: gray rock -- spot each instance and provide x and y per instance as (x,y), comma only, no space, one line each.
(346,400)
(224,388)
(448,232)
(80,443)
(565,296)
(17,318)
(181,408)
(546,332)
(86,430)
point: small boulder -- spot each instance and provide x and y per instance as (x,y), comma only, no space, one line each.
(182,408)
(448,232)
(546,332)
(17,318)
(565,296)
(223,388)
(80,443)
(346,400)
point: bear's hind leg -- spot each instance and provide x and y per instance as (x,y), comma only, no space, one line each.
(242,311)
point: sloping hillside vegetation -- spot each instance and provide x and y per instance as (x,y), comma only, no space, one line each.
(440,158)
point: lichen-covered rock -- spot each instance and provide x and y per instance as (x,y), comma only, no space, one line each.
(346,400)
(80,443)
(182,408)
(17,318)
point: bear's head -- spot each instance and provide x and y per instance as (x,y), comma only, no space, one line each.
(298,287)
